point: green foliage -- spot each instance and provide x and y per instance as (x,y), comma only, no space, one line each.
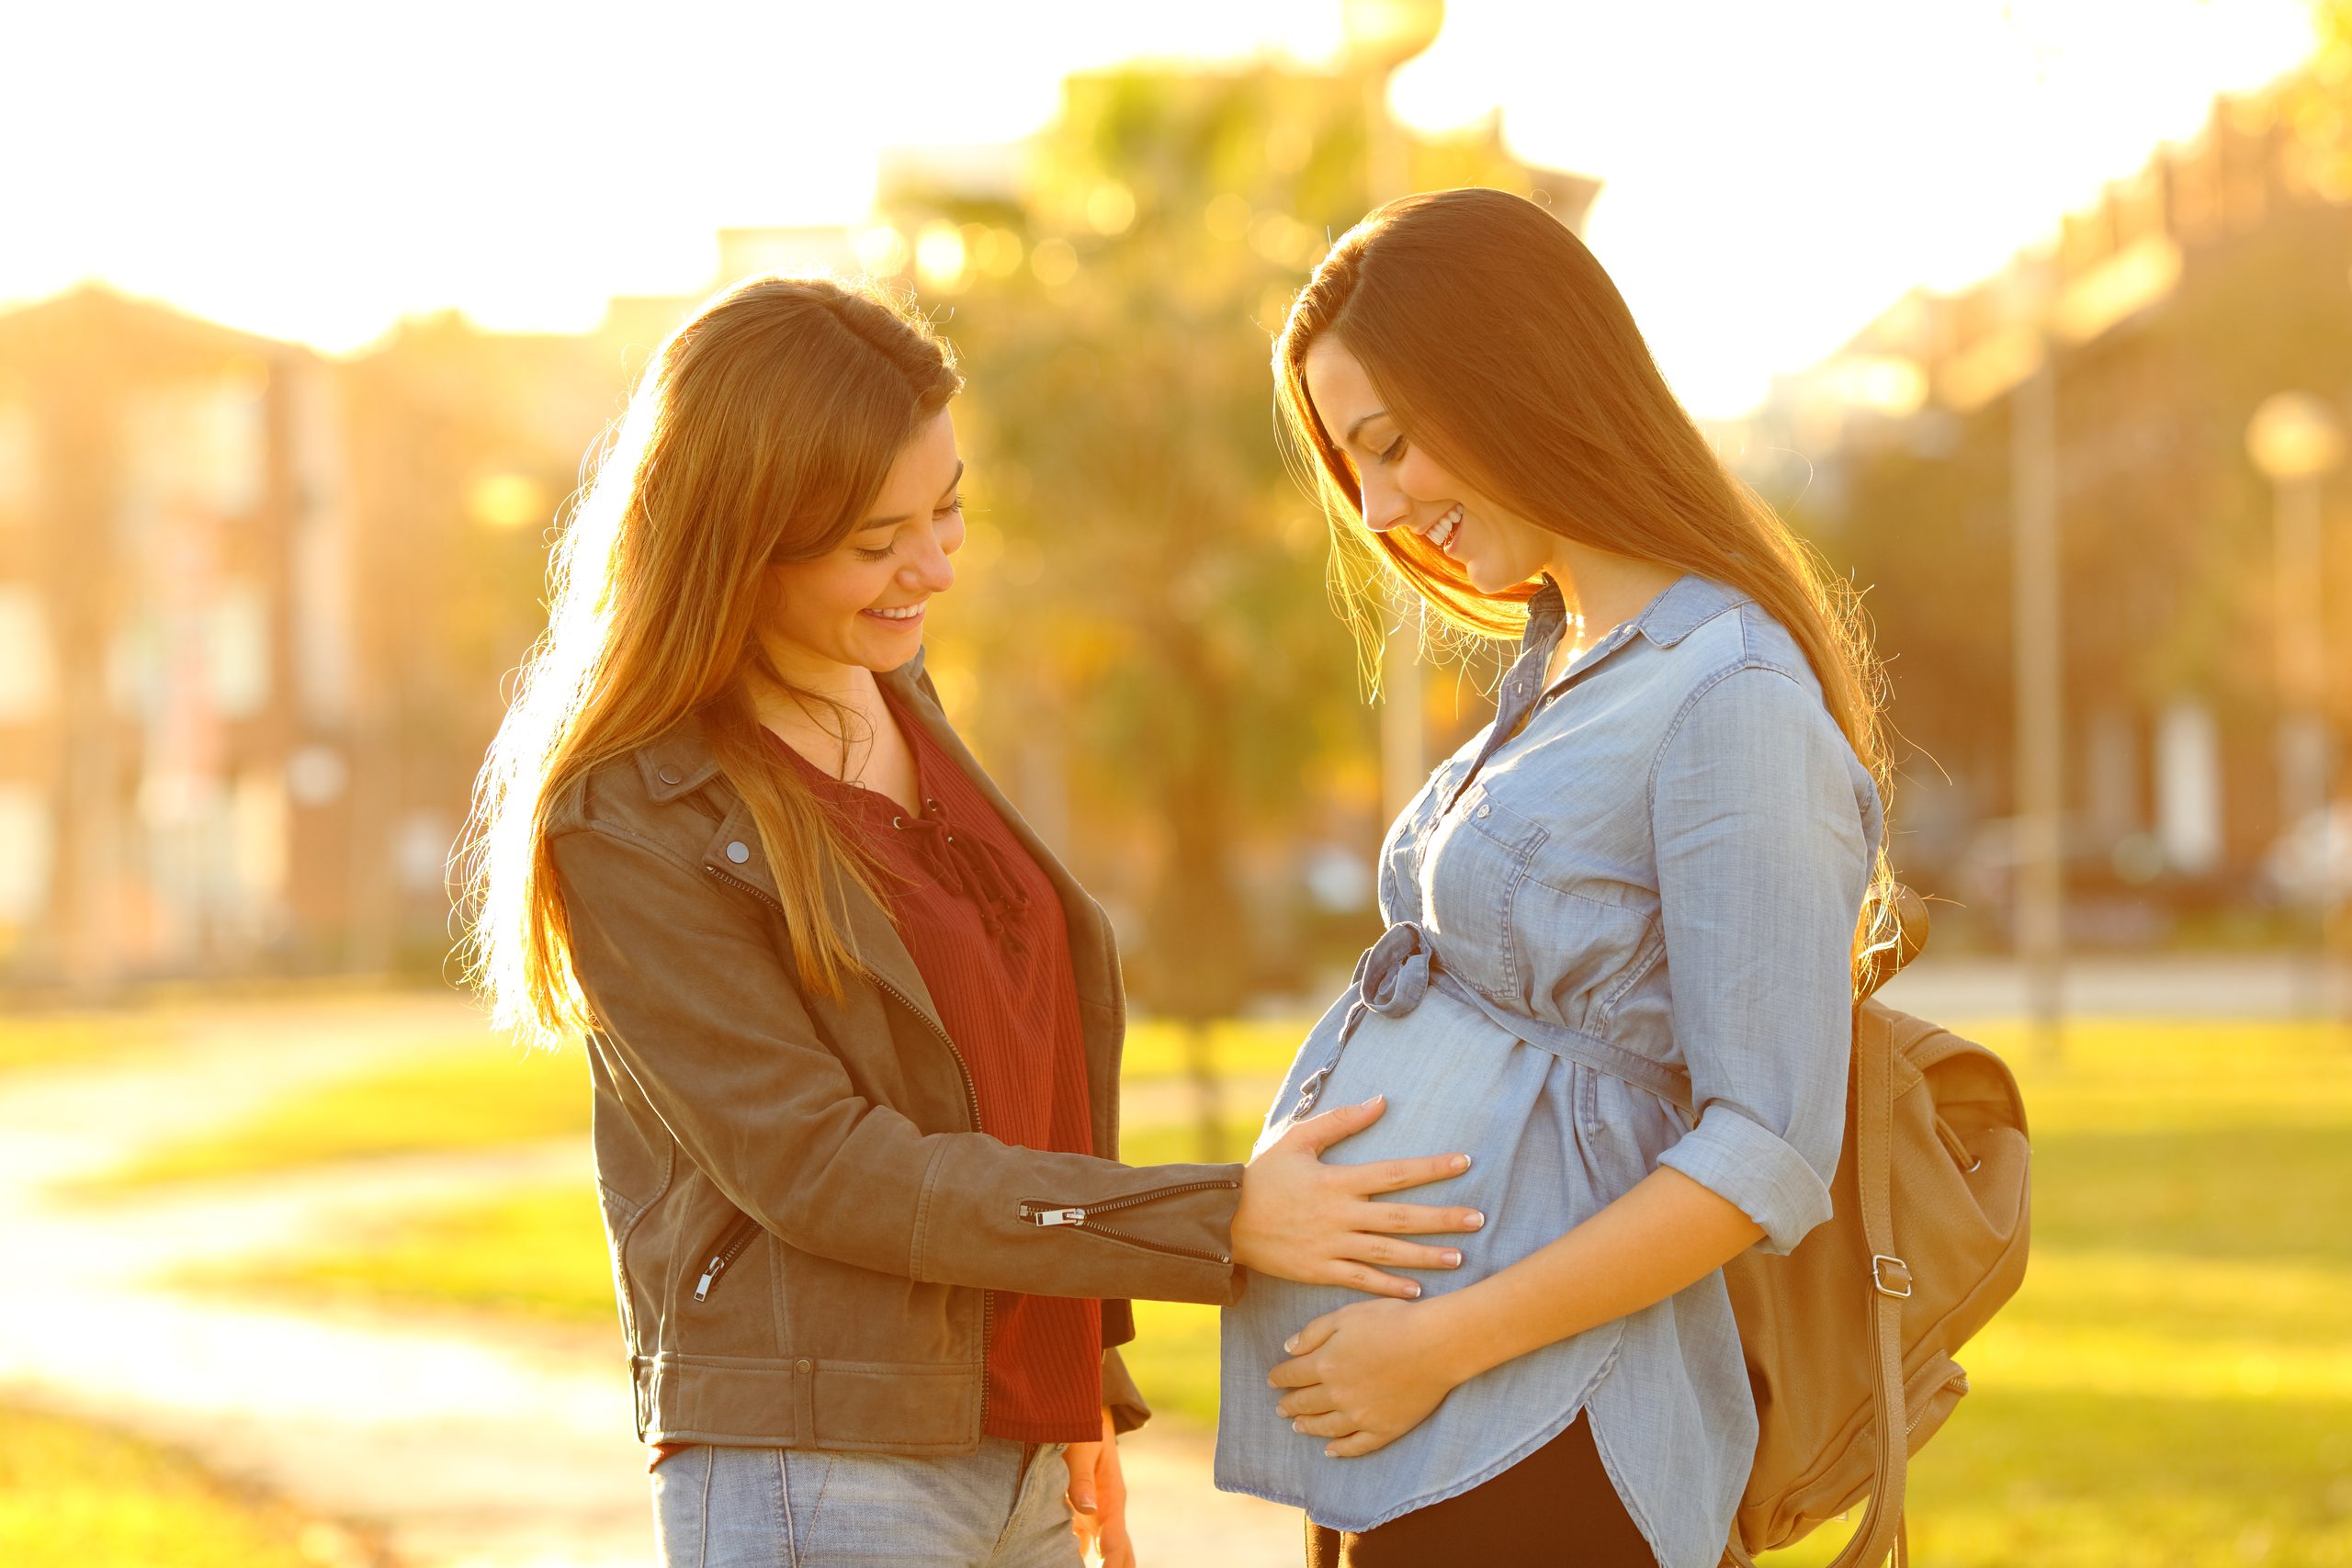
(1147,610)
(78,1496)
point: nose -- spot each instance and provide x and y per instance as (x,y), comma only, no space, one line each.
(927,571)
(1385,505)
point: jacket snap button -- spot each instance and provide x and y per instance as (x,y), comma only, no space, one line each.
(804,1365)
(670,774)
(738,852)
(1485,810)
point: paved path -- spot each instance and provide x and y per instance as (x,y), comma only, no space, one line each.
(468,1447)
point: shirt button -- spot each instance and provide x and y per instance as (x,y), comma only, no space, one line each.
(1486,810)
(670,774)
(738,852)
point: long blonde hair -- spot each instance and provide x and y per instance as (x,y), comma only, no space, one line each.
(1501,345)
(760,433)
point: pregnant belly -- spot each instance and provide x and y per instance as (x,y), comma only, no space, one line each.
(1456,1083)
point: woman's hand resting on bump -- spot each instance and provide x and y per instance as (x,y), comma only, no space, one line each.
(1301,1219)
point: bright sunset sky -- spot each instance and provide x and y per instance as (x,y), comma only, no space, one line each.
(1776,173)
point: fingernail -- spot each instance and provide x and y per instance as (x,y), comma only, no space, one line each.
(1413,1289)
(1375,1100)
(1477,1220)
(1330,1450)
(1461,1162)
(1291,1343)
(1298,1426)
(1453,1258)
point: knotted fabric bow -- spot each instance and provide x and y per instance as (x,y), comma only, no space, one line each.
(1391,978)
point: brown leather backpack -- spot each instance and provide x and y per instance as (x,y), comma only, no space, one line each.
(1849,1338)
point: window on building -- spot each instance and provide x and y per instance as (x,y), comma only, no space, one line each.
(28,675)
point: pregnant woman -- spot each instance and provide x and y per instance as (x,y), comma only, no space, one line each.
(853,1031)
(1623,924)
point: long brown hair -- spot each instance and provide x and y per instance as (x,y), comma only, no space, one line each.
(761,433)
(1497,342)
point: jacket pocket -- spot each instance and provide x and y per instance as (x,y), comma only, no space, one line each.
(724,1251)
(1044,1212)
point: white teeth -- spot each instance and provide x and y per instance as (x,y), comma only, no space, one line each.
(906,614)
(1441,534)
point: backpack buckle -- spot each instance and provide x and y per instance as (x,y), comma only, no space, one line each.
(1880,1266)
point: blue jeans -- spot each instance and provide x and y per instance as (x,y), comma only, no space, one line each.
(1001,1507)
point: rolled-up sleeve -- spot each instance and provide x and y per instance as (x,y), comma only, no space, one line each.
(1764,848)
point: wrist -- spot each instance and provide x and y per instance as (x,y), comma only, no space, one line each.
(1463,1339)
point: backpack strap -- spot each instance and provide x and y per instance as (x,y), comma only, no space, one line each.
(1882,1526)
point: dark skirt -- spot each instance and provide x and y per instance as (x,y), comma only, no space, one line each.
(1554,1508)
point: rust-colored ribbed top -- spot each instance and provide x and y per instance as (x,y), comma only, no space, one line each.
(985,929)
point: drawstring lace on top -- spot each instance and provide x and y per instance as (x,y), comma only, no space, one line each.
(969,867)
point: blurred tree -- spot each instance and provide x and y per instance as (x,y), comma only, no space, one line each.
(1159,634)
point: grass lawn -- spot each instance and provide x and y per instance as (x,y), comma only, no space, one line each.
(2173,1385)
(466,1097)
(69,1039)
(481,1095)
(78,1496)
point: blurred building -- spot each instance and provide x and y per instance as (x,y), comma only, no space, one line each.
(176,678)
(2213,278)
(460,445)
(259,610)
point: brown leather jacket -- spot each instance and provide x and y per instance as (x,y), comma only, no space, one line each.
(805,1223)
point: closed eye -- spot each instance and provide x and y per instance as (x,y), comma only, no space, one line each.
(1395,451)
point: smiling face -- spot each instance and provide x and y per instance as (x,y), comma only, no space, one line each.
(861,602)
(1399,485)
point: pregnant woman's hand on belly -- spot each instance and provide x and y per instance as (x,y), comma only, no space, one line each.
(1365,1375)
(1301,1219)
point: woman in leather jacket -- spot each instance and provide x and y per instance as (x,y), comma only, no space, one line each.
(853,1031)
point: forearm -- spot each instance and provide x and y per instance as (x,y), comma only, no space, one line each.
(1663,1236)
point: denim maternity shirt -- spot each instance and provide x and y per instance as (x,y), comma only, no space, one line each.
(1659,875)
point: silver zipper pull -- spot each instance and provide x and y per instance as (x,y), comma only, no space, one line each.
(710,1272)
(1053,1216)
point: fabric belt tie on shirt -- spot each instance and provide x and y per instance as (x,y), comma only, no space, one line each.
(1395,972)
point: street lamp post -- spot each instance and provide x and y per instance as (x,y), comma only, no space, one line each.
(2295,440)
(2040,650)
(1382,36)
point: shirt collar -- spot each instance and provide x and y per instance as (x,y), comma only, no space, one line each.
(1688,603)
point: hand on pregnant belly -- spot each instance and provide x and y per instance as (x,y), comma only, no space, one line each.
(1301,1219)
(1365,1375)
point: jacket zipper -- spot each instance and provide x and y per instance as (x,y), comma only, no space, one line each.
(730,1246)
(1038,1211)
(971,1102)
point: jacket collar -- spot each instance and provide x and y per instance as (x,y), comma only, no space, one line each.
(679,761)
